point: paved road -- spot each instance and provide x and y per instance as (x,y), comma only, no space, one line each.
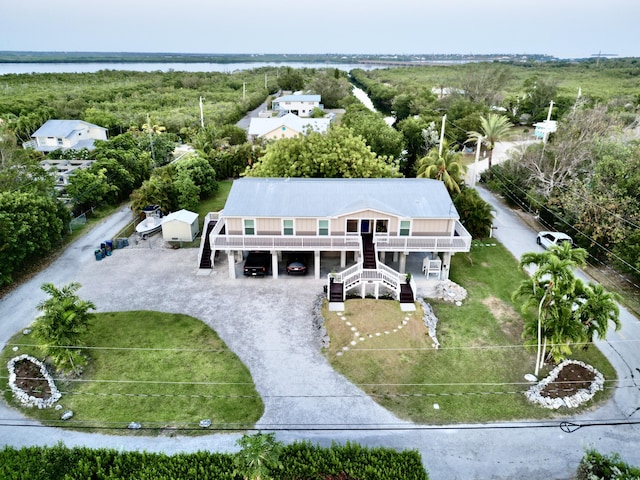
(278,344)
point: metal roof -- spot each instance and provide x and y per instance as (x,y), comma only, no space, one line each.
(183,215)
(61,128)
(298,98)
(262,126)
(330,197)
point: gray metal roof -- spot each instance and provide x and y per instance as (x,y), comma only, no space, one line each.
(61,128)
(298,98)
(261,126)
(331,197)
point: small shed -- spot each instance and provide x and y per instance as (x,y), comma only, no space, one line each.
(180,226)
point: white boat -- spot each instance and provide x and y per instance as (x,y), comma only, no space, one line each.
(152,222)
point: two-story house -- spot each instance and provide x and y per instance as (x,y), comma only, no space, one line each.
(301,105)
(364,220)
(65,135)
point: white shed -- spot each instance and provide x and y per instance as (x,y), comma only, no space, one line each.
(180,226)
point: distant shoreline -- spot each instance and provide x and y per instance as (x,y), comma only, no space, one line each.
(140,57)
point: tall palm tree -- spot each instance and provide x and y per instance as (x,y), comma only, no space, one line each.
(445,167)
(494,128)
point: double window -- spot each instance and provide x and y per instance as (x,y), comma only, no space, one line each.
(405,228)
(287,227)
(249,227)
(323,227)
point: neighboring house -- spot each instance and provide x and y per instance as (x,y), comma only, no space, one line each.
(180,226)
(368,220)
(63,169)
(301,105)
(286,126)
(65,135)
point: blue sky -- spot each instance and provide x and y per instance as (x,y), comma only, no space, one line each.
(562,28)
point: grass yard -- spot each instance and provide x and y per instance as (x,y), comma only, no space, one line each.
(166,371)
(477,374)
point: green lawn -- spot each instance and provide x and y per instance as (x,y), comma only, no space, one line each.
(477,374)
(166,371)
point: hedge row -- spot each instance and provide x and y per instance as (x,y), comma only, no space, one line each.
(299,460)
(597,466)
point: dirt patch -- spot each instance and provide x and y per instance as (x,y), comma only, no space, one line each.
(507,316)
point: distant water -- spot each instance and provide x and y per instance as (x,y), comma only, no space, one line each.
(18,68)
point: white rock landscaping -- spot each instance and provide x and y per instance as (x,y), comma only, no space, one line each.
(23,397)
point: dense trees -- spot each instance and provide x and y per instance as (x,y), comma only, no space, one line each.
(337,154)
(383,139)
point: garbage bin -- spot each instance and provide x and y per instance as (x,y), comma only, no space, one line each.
(98,254)
(108,244)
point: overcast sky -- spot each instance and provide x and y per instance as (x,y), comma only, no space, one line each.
(562,28)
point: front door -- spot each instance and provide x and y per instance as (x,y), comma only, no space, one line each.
(365,226)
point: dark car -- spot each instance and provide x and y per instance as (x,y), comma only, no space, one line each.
(296,266)
(257,264)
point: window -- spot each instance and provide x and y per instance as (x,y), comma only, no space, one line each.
(382,226)
(352,226)
(323,227)
(287,227)
(405,228)
(249,227)
(60,141)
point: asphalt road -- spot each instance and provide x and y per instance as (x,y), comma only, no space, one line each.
(271,331)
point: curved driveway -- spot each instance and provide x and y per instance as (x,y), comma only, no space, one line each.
(268,324)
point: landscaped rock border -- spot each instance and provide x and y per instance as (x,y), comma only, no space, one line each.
(580,397)
(24,398)
(450,291)
(318,321)
(430,320)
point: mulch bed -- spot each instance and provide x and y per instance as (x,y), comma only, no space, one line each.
(570,379)
(29,379)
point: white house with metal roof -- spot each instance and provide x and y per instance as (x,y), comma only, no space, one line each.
(301,105)
(363,219)
(65,135)
(287,126)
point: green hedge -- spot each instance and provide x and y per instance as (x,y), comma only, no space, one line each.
(596,466)
(299,460)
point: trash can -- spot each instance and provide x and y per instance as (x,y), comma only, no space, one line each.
(109,245)
(98,254)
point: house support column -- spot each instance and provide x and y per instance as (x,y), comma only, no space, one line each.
(274,263)
(316,264)
(395,257)
(383,257)
(343,259)
(231,257)
(355,256)
(377,290)
(403,262)
(446,265)
(363,290)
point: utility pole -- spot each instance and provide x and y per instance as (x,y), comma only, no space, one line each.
(244,90)
(475,163)
(153,155)
(201,114)
(444,119)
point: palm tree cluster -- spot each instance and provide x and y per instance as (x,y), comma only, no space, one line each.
(569,311)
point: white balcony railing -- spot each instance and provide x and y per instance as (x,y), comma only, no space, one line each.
(461,242)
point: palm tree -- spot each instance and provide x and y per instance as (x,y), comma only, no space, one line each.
(475,214)
(259,457)
(445,167)
(551,289)
(596,309)
(494,128)
(64,317)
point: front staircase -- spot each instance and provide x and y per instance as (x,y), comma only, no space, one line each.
(369,273)
(205,259)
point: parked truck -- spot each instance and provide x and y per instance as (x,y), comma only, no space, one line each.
(257,264)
